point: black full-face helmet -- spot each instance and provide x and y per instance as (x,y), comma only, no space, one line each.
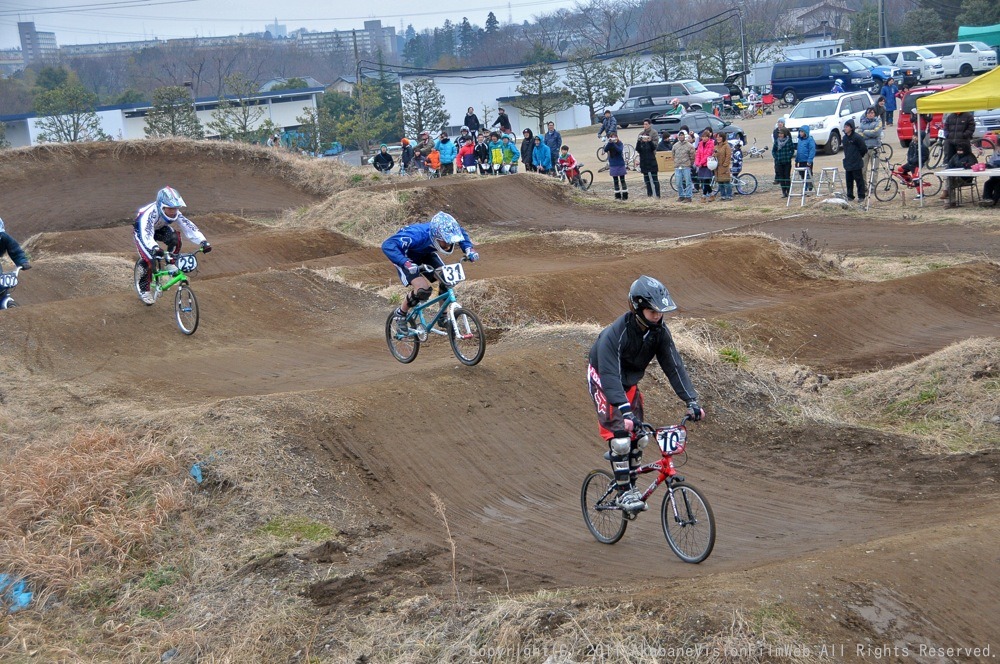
(649,293)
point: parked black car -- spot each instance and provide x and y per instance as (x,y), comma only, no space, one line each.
(637,109)
(699,121)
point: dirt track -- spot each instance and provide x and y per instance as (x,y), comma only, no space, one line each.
(506,444)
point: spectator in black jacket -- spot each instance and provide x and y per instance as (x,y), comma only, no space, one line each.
(854,165)
(503,121)
(963,158)
(527,145)
(958,129)
(647,164)
(991,189)
(383,161)
(472,121)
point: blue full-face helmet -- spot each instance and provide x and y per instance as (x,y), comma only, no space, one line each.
(168,197)
(445,228)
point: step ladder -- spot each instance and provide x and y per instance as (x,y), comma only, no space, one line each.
(829,176)
(802,177)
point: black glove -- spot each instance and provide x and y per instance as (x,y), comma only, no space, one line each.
(157,252)
(695,412)
(634,419)
(26,266)
(206,247)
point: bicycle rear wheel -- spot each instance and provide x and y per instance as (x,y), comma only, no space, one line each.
(468,341)
(628,152)
(138,272)
(886,189)
(885,151)
(8,303)
(746,184)
(403,346)
(602,156)
(584,180)
(688,523)
(606,525)
(186,309)
(673,181)
(930,184)
(983,148)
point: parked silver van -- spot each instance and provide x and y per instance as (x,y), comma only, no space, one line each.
(691,93)
(964,58)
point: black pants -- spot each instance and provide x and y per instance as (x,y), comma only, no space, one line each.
(621,187)
(783,174)
(991,190)
(447,169)
(852,177)
(652,183)
(803,164)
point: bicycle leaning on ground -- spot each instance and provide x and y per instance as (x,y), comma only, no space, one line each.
(687,519)
(168,271)
(8,280)
(461,326)
(583,179)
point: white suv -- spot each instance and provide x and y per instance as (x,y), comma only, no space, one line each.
(825,116)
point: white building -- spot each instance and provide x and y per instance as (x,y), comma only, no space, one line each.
(129,122)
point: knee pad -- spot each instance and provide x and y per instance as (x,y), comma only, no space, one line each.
(417,296)
(620,446)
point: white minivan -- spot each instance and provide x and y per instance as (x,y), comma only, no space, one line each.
(916,58)
(964,58)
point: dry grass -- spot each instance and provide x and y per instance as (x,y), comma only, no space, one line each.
(884,268)
(366,216)
(317,176)
(89,506)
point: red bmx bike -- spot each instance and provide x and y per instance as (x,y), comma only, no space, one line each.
(687,519)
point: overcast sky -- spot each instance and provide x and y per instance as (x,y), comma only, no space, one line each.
(90,21)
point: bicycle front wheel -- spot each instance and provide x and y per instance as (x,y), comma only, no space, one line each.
(602,156)
(930,184)
(688,523)
(467,338)
(628,152)
(584,180)
(186,309)
(403,346)
(936,154)
(886,189)
(606,523)
(673,181)
(885,151)
(746,184)
(8,304)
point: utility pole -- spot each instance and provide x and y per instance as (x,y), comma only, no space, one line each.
(361,94)
(743,47)
(883,26)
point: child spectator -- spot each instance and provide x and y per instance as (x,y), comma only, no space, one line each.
(434,161)
(527,145)
(510,154)
(705,150)
(406,156)
(568,164)
(737,158)
(467,156)
(419,161)
(482,153)
(496,153)
(910,171)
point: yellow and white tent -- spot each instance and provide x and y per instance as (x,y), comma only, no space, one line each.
(979,94)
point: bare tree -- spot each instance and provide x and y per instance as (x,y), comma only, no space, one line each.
(588,78)
(609,24)
(238,116)
(625,71)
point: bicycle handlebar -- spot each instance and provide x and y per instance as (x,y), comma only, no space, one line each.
(647,428)
(430,269)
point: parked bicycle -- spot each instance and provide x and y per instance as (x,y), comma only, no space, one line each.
(743,184)
(8,281)
(169,271)
(754,151)
(982,149)
(886,188)
(628,152)
(581,179)
(685,515)
(461,326)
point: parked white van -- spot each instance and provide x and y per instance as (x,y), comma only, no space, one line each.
(917,58)
(964,58)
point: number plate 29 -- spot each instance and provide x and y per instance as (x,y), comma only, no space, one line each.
(187,263)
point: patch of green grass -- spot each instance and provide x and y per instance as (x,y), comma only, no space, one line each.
(937,266)
(396,298)
(298,528)
(849,391)
(772,617)
(733,356)
(157,578)
(357,178)
(159,613)
(723,324)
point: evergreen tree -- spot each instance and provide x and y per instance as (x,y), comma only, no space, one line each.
(316,128)
(864,27)
(587,79)
(666,58)
(976,13)
(172,114)
(238,117)
(445,40)
(294,83)
(388,90)
(423,107)
(623,72)
(51,78)
(410,33)
(540,94)
(921,26)
(67,116)
(492,24)
(466,40)
(539,53)
(361,124)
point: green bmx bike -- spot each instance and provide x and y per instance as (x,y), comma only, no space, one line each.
(168,271)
